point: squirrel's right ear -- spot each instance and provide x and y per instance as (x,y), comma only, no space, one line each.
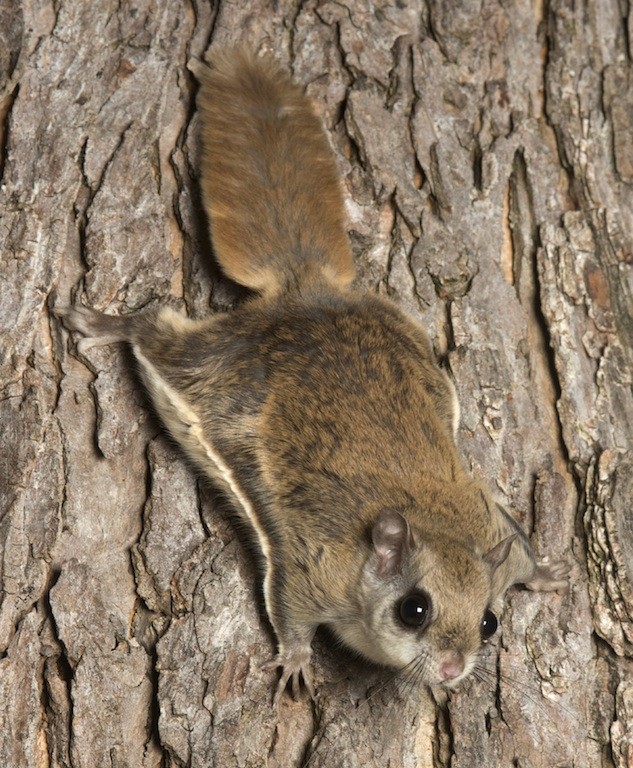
(392,540)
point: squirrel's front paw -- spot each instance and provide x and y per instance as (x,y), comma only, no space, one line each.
(295,664)
(550,577)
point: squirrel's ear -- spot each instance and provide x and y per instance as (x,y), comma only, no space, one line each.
(392,539)
(498,554)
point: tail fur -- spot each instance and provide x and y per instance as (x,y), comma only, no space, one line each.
(269,181)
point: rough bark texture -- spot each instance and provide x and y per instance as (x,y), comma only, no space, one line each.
(486,151)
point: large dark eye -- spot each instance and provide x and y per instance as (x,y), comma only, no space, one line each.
(489,625)
(414,609)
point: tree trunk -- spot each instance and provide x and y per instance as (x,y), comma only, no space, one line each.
(486,152)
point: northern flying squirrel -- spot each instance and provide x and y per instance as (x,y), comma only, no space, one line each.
(320,410)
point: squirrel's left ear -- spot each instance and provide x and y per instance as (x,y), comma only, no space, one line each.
(392,540)
(499,553)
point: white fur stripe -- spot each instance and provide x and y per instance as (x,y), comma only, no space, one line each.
(185,426)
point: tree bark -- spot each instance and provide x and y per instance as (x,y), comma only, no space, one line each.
(486,153)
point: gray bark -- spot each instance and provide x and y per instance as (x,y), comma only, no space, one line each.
(486,152)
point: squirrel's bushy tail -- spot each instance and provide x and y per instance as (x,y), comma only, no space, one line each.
(269,181)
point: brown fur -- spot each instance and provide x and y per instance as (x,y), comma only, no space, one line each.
(268,178)
(320,410)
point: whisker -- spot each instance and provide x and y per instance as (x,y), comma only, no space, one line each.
(404,679)
(392,678)
(529,690)
(413,673)
(476,673)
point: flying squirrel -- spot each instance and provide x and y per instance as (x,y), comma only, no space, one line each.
(320,409)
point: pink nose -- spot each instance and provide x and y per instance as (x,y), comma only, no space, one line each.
(452,665)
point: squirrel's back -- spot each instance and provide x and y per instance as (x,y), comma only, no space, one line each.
(269,182)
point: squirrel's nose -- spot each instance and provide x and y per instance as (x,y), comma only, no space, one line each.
(451,665)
